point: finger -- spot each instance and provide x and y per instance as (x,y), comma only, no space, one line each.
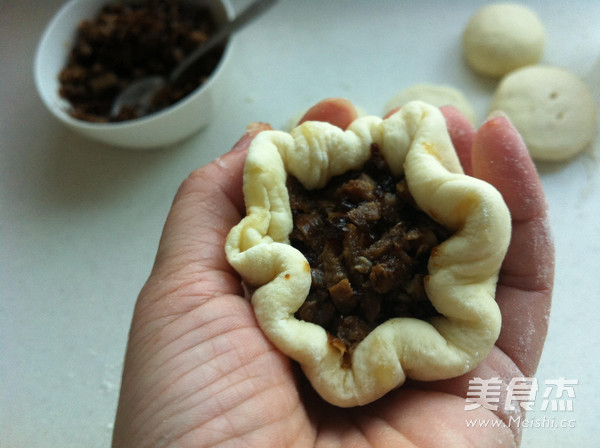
(498,366)
(501,158)
(208,203)
(526,279)
(338,111)
(462,134)
(234,183)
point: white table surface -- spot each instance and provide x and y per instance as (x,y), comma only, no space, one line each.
(80,221)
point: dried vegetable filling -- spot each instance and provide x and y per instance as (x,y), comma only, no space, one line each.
(368,246)
(126,41)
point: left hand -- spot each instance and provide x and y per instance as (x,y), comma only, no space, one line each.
(200,372)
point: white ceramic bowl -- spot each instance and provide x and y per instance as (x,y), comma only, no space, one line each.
(164,128)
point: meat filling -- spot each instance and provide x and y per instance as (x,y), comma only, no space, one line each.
(128,41)
(368,246)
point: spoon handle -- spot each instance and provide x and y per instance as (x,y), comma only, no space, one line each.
(243,18)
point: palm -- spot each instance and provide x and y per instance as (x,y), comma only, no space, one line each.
(249,393)
(199,371)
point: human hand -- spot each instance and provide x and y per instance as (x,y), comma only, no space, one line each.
(199,371)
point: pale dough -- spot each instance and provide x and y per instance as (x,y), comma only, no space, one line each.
(553,109)
(436,95)
(463,270)
(502,37)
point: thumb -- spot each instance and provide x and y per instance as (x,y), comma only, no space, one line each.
(208,203)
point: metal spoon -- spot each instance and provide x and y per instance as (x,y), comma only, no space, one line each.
(139,94)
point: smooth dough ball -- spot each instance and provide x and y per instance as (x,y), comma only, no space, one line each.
(433,94)
(552,108)
(502,37)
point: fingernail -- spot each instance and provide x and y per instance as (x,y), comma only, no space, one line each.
(252,131)
(256,127)
(497,113)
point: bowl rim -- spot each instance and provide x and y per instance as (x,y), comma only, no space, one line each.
(64,116)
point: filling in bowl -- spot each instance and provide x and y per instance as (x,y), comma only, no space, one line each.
(130,40)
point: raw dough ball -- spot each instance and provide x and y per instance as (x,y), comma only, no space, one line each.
(502,37)
(552,108)
(435,95)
